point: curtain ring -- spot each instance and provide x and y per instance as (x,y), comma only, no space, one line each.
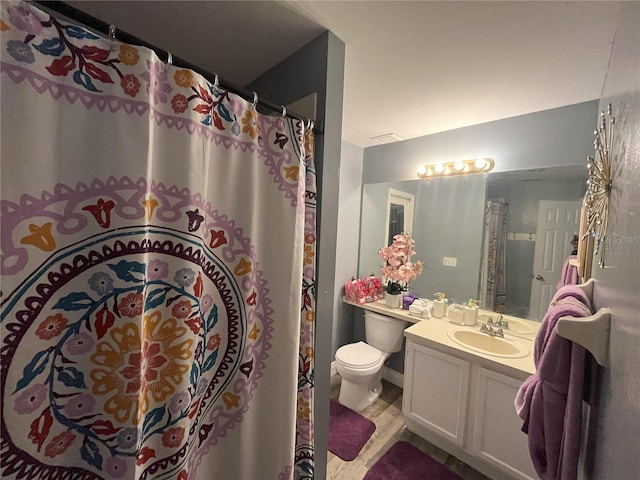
(284,110)
(112,36)
(255,99)
(215,80)
(169,58)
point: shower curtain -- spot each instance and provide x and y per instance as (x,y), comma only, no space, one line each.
(493,293)
(157,259)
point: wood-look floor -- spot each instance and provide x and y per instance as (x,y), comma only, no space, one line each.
(386,413)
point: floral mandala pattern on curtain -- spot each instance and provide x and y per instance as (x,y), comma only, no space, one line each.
(141,297)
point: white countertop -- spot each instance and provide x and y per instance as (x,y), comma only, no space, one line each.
(434,333)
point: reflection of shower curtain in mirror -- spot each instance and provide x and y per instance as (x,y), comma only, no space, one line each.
(493,295)
(157,255)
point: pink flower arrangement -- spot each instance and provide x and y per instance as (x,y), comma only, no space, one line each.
(398,268)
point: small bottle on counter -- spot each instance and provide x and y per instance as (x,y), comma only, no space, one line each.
(470,312)
(439,305)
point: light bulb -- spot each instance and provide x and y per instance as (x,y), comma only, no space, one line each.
(439,168)
(422,170)
(481,163)
(459,166)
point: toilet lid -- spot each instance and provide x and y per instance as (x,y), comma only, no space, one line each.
(358,355)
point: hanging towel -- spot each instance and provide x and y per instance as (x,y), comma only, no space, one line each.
(550,401)
(569,274)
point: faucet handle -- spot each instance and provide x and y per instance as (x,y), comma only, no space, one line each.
(484,328)
(499,333)
(490,321)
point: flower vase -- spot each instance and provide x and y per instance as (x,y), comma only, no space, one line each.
(393,301)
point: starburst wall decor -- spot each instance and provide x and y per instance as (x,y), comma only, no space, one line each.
(600,183)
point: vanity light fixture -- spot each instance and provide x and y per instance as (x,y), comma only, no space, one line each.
(459,167)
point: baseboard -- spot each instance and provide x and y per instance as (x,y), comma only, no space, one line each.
(334,370)
(392,376)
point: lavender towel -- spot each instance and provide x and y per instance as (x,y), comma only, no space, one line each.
(550,401)
(569,274)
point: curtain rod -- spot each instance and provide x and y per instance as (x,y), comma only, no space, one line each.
(104,28)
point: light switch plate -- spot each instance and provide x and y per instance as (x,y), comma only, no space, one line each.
(449,261)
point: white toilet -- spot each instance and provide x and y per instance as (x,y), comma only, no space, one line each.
(360,364)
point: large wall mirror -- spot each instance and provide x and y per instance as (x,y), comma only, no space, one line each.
(535,211)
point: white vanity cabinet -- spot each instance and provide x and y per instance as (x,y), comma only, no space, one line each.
(497,435)
(461,400)
(467,410)
(436,391)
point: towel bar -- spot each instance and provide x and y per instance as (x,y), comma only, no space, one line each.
(591,332)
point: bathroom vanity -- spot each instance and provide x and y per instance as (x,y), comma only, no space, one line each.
(459,387)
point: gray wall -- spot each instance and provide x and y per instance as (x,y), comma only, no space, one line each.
(562,136)
(318,67)
(346,248)
(617,448)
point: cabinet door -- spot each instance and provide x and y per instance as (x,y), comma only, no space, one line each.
(497,435)
(436,389)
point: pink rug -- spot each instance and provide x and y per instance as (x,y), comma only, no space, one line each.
(348,431)
(403,461)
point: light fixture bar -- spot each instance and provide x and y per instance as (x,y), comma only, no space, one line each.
(458,167)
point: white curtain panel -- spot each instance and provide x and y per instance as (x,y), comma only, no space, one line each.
(152,249)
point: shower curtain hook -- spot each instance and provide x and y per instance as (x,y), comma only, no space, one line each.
(112,35)
(169,58)
(255,99)
(284,110)
(215,80)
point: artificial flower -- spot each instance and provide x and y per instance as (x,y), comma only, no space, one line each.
(398,268)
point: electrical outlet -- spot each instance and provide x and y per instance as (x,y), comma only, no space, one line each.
(449,261)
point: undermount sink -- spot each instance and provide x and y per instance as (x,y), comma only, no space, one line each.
(484,343)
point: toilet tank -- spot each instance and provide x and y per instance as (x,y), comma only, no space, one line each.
(383,332)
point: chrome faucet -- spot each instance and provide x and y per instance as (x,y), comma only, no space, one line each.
(503,324)
(489,330)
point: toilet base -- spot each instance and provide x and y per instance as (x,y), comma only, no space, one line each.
(358,396)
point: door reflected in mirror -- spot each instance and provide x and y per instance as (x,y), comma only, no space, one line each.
(400,214)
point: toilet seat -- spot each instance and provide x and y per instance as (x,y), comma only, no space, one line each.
(359,356)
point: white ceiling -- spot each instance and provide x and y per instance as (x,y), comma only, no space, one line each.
(411,68)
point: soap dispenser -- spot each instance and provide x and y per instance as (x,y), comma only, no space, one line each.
(439,305)
(470,312)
